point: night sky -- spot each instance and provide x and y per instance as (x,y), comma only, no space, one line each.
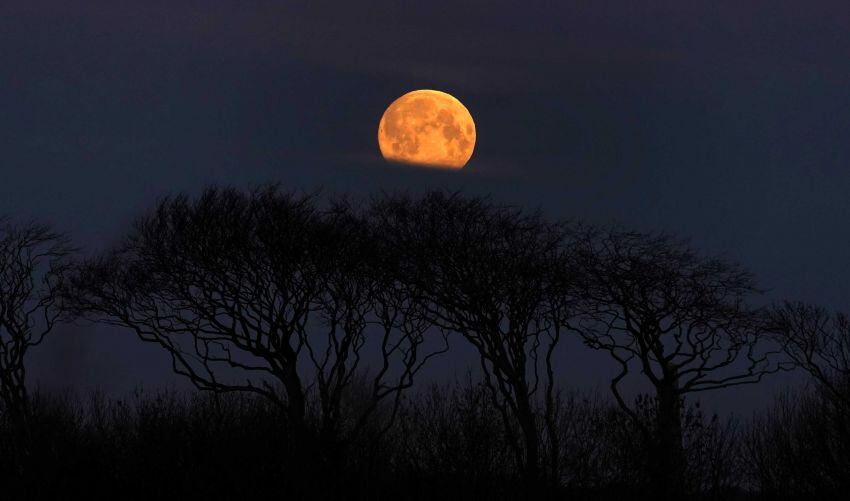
(724,121)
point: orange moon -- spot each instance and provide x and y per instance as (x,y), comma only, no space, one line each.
(428,128)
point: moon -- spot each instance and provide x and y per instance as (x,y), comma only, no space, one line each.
(428,128)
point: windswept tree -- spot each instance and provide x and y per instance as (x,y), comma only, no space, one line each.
(800,448)
(359,298)
(818,342)
(33,263)
(679,320)
(486,272)
(262,293)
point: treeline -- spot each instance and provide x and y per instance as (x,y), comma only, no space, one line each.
(308,320)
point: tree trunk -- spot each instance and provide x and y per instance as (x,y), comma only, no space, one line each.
(14,395)
(301,458)
(525,416)
(16,411)
(668,461)
(296,404)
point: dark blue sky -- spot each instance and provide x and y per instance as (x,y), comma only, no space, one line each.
(725,121)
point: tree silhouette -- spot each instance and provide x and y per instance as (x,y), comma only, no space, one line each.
(244,290)
(307,319)
(356,294)
(800,449)
(818,342)
(486,272)
(33,262)
(678,319)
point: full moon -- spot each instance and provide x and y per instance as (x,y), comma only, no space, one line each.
(429,128)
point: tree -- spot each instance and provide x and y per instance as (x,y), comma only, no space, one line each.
(33,263)
(261,293)
(817,342)
(486,272)
(357,293)
(679,319)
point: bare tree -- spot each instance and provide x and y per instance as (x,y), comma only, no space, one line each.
(818,342)
(485,272)
(33,263)
(679,320)
(358,299)
(248,292)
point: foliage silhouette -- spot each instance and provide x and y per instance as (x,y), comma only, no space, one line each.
(448,442)
(800,448)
